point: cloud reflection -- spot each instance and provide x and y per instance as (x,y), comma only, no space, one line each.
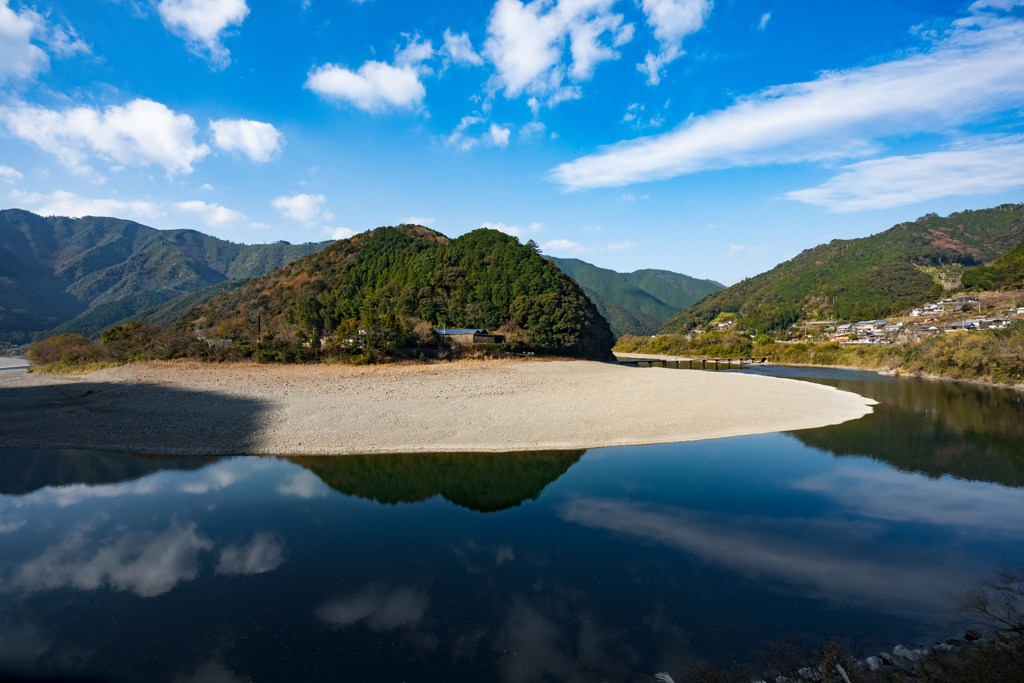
(382,611)
(146,564)
(885,493)
(210,478)
(303,484)
(262,554)
(813,554)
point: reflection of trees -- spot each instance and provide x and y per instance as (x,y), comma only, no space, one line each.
(934,428)
(23,471)
(485,482)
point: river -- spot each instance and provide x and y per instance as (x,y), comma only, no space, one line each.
(609,564)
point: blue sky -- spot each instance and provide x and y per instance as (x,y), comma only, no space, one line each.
(710,138)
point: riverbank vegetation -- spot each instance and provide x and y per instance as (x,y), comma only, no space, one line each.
(995,355)
(376,341)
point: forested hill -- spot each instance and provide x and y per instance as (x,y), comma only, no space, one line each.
(1006,273)
(84,274)
(398,275)
(638,302)
(865,278)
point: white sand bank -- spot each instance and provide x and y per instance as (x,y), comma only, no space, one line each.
(493,406)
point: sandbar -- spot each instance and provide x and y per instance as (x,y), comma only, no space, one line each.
(209,409)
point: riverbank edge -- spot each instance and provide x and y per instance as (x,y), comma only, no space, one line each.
(907,375)
(878,371)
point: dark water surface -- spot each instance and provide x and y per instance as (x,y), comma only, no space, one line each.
(606,565)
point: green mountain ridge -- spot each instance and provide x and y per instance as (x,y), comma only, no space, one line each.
(484,279)
(82,275)
(1005,273)
(864,278)
(638,302)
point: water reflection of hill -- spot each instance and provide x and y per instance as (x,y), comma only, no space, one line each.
(486,482)
(935,428)
(24,470)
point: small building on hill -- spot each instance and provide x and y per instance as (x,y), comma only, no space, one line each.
(466,337)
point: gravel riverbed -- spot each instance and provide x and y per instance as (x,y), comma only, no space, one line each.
(191,408)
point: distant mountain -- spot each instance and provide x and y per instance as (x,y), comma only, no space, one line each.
(1006,273)
(865,278)
(83,275)
(638,302)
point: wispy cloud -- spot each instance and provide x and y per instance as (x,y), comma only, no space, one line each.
(514,230)
(976,64)
(563,247)
(61,203)
(895,181)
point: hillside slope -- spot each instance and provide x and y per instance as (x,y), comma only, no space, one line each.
(84,274)
(864,278)
(1006,273)
(638,302)
(482,279)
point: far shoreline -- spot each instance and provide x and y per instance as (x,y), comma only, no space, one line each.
(878,371)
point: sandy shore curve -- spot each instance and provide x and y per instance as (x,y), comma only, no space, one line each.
(171,408)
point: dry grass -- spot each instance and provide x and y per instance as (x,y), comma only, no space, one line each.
(77,369)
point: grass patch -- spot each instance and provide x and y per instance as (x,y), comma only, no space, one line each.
(72,369)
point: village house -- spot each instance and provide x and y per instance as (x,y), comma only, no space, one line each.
(469,336)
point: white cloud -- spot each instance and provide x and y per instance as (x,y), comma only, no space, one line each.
(733,248)
(459,49)
(562,247)
(143,563)
(61,203)
(377,86)
(765,18)
(260,226)
(531,129)
(977,65)
(305,484)
(499,135)
(416,220)
(254,139)
(995,4)
(895,181)
(513,230)
(214,215)
(458,137)
(526,43)
(592,228)
(672,20)
(20,58)
(9,174)
(261,555)
(201,23)
(140,133)
(206,186)
(624,245)
(303,207)
(380,610)
(338,233)
(628,198)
